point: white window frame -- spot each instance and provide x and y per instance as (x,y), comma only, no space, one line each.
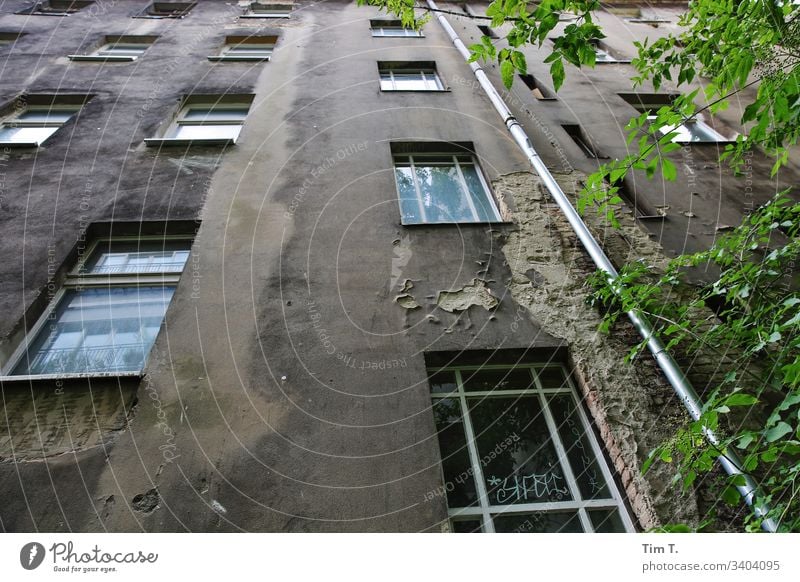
(487,191)
(228,52)
(685,133)
(76,280)
(14,121)
(170,139)
(429,77)
(98,56)
(270,11)
(394,30)
(484,510)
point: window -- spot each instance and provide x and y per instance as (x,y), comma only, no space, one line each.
(392,28)
(539,91)
(40,117)
(694,130)
(583,142)
(246,48)
(414,76)
(261,10)
(108,313)
(519,455)
(118,48)
(442,187)
(57,7)
(166,10)
(206,120)
(9,38)
(486,31)
(604,55)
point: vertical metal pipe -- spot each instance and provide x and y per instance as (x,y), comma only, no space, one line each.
(683,388)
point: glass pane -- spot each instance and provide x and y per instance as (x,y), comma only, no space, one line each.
(505,379)
(45,116)
(606,521)
(99,330)
(466,526)
(443,382)
(215,114)
(410,82)
(519,461)
(138,257)
(250,51)
(26,134)
(480,197)
(207,131)
(386,82)
(552,377)
(563,522)
(581,456)
(410,207)
(458,473)
(442,196)
(122,50)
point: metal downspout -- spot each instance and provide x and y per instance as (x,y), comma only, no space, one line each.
(683,388)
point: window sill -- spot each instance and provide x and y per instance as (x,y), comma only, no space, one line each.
(459,224)
(101,59)
(172,141)
(264,16)
(619,62)
(239,58)
(69,376)
(416,90)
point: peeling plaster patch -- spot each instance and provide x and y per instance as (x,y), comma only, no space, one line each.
(218,507)
(146,502)
(475,293)
(406,301)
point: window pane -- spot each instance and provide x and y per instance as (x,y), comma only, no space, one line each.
(409,82)
(480,197)
(563,522)
(386,82)
(443,382)
(606,521)
(26,134)
(207,131)
(520,464)
(466,526)
(99,330)
(552,377)
(458,472)
(138,257)
(214,114)
(45,116)
(581,456)
(442,196)
(506,379)
(409,203)
(251,51)
(122,50)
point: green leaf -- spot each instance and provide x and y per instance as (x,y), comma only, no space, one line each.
(740,399)
(777,431)
(668,170)
(507,73)
(557,73)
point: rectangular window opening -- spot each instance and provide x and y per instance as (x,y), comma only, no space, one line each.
(582,141)
(206,120)
(393,28)
(122,48)
(263,10)
(538,90)
(106,316)
(487,31)
(695,130)
(441,183)
(33,119)
(409,76)
(246,48)
(519,454)
(167,10)
(57,7)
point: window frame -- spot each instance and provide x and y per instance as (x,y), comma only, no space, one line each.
(395,26)
(146,12)
(684,128)
(276,10)
(483,510)
(227,53)
(464,187)
(13,122)
(169,137)
(77,280)
(43,8)
(96,56)
(426,70)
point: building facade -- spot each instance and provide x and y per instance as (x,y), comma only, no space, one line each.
(279,267)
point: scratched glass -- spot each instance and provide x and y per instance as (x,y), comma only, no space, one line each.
(488,380)
(581,457)
(458,473)
(561,522)
(520,463)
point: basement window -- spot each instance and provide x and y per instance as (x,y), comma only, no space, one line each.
(57,7)
(167,10)
(582,141)
(392,28)
(246,48)
(409,76)
(40,117)
(261,10)
(538,90)
(441,184)
(206,120)
(120,48)
(108,313)
(519,454)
